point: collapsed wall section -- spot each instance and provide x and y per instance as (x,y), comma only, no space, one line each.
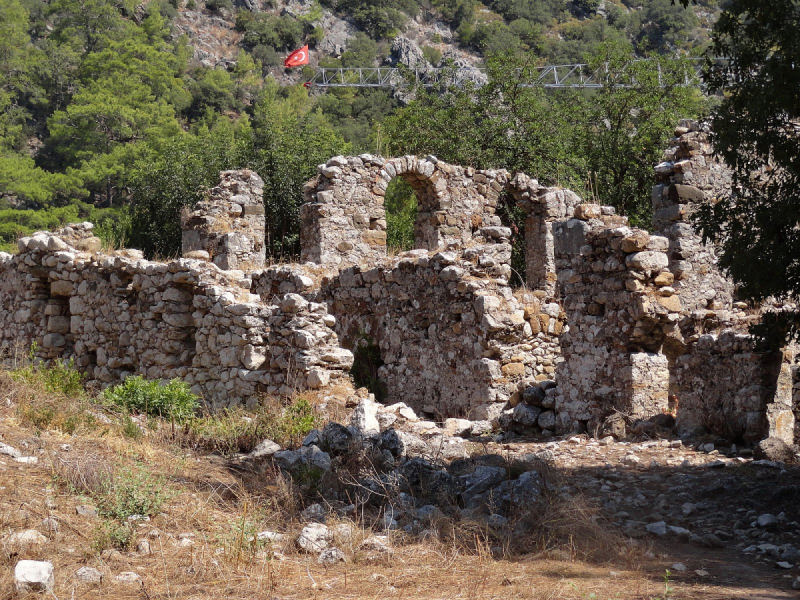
(122,315)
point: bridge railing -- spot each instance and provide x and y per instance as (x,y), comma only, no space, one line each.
(578,75)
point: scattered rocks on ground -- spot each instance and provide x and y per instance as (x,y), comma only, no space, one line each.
(19,541)
(84,510)
(331,556)
(774,449)
(314,538)
(89,575)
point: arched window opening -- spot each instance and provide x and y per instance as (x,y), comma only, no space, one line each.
(513,217)
(401,213)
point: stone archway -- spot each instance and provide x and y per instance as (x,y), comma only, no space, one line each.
(344,217)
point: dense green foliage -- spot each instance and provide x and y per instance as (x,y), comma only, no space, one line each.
(602,142)
(172,400)
(756,131)
(105,117)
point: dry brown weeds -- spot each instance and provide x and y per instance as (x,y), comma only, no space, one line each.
(220,510)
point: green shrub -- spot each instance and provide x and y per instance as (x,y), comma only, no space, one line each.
(59,377)
(110,534)
(173,400)
(130,429)
(131,491)
(432,55)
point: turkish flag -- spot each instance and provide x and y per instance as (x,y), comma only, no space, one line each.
(297,58)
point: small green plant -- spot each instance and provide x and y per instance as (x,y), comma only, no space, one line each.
(667,587)
(297,420)
(432,55)
(130,429)
(60,377)
(111,534)
(131,491)
(235,430)
(173,401)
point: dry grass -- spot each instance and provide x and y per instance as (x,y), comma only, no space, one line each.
(220,509)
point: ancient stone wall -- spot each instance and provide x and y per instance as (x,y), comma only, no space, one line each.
(614,319)
(344,219)
(721,382)
(121,315)
(452,340)
(615,288)
(229,226)
(690,175)
(724,385)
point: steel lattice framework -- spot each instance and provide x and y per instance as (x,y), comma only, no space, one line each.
(553,76)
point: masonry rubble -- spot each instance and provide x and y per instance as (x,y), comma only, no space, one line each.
(615,323)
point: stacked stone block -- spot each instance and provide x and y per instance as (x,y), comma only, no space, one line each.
(691,175)
(615,289)
(228,228)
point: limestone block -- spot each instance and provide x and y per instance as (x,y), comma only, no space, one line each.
(34,576)
(62,288)
(588,211)
(647,261)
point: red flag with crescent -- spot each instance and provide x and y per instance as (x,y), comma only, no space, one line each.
(297,58)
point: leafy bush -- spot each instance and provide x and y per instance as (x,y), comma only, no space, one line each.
(173,400)
(131,491)
(59,377)
(432,55)
(110,534)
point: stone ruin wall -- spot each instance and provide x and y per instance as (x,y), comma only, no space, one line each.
(121,315)
(721,381)
(616,320)
(615,289)
(228,228)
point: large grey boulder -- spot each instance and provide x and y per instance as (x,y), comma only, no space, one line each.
(306,456)
(314,538)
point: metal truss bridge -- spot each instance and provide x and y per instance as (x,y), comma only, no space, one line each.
(553,76)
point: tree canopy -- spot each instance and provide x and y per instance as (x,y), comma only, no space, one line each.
(756,129)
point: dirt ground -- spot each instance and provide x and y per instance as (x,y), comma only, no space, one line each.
(724,493)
